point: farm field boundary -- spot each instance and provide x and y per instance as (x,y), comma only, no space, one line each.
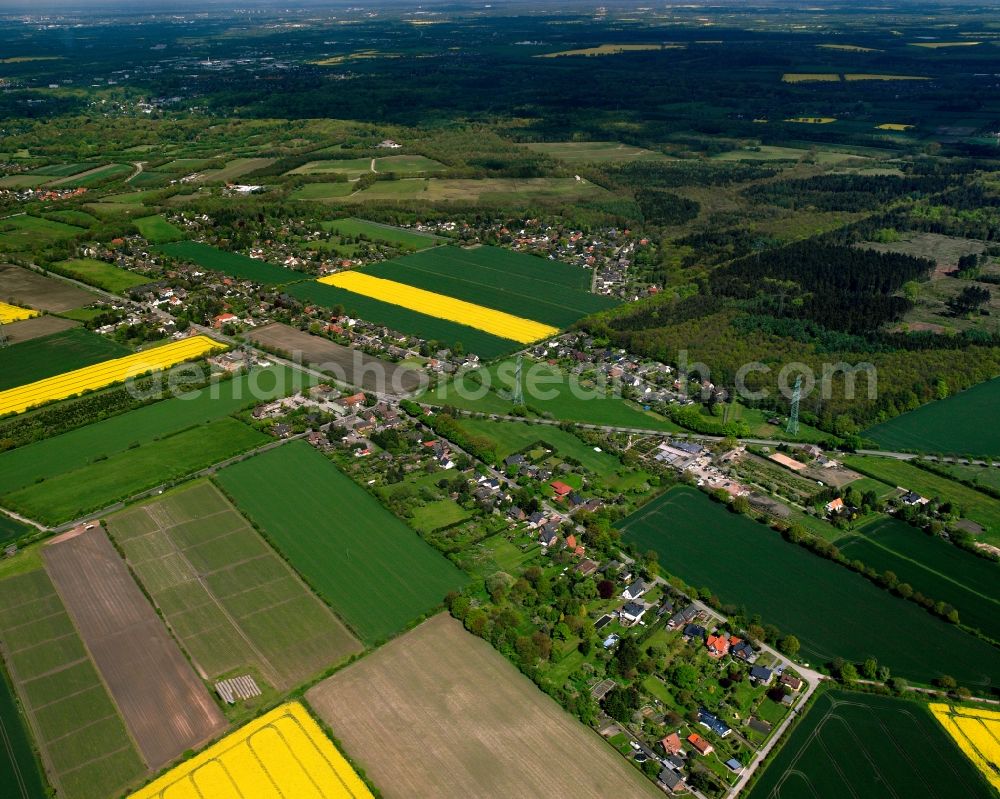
(952,426)
(224,592)
(284,748)
(375,572)
(77,448)
(138,660)
(443,703)
(442,306)
(934,567)
(852,744)
(70,495)
(86,749)
(31,289)
(45,357)
(359,369)
(230,263)
(404,320)
(802,593)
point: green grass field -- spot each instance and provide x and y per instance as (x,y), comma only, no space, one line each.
(230,263)
(323,191)
(39,358)
(952,426)
(227,596)
(51,457)
(72,494)
(374,571)
(28,232)
(438,514)
(402,319)
(407,164)
(397,237)
(20,771)
(511,437)
(75,719)
(856,745)
(831,610)
(974,505)
(157,230)
(547,389)
(934,567)
(987,476)
(100,274)
(351,168)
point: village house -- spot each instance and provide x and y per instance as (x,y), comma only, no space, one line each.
(672,744)
(700,745)
(717,645)
(671,780)
(635,590)
(793,683)
(632,613)
(761,675)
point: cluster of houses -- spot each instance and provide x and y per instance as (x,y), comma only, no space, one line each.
(41,194)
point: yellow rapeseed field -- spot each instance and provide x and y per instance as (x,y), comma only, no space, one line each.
(283,753)
(116,370)
(12,313)
(977,733)
(812,120)
(810,77)
(497,323)
(893,126)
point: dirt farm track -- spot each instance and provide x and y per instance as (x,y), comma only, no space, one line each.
(438,712)
(165,706)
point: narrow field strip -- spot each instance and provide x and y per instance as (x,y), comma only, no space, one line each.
(116,370)
(283,753)
(440,306)
(14,313)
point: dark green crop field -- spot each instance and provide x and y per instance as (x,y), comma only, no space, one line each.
(399,237)
(858,744)
(72,494)
(956,425)
(75,449)
(372,569)
(52,355)
(20,774)
(230,263)
(522,285)
(404,320)
(833,611)
(934,567)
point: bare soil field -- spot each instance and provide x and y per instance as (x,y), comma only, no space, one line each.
(36,327)
(228,597)
(165,706)
(438,712)
(30,289)
(353,366)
